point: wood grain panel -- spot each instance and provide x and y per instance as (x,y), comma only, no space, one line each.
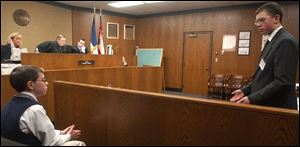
(144,32)
(127,47)
(81,26)
(6,90)
(82,22)
(66,61)
(111,116)
(139,78)
(163,31)
(291,24)
(167,32)
(197,54)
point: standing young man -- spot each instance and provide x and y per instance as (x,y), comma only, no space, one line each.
(273,82)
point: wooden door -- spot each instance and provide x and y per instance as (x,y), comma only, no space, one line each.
(196,62)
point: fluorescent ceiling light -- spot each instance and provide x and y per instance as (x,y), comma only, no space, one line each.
(125,4)
(148,2)
(122,4)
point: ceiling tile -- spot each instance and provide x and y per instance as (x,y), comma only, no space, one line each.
(160,7)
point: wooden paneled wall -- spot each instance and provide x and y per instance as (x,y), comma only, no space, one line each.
(138,78)
(112,117)
(167,32)
(82,24)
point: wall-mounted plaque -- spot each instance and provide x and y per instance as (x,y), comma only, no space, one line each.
(112,30)
(244,43)
(129,32)
(21,17)
(86,62)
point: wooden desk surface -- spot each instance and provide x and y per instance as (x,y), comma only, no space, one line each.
(52,61)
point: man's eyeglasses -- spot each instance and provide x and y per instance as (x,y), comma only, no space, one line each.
(43,80)
(260,21)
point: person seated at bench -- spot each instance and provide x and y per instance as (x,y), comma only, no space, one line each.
(57,46)
(14,42)
(80,47)
(24,120)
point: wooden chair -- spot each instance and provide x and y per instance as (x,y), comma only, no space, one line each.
(216,85)
(247,81)
(233,83)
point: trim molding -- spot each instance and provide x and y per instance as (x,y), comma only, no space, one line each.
(86,9)
(167,13)
(174,89)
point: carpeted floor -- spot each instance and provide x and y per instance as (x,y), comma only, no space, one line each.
(202,96)
(185,94)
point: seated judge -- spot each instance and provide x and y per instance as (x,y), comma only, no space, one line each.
(14,42)
(81,48)
(57,46)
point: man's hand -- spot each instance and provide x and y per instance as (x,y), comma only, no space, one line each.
(75,134)
(244,100)
(66,130)
(238,94)
(70,130)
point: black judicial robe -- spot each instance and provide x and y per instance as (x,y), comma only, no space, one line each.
(52,47)
(5,52)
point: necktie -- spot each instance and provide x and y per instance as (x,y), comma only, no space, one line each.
(264,49)
(260,58)
(267,42)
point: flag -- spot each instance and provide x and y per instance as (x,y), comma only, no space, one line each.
(101,49)
(93,37)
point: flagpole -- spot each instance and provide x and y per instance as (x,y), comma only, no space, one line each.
(100,32)
(103,48)
(94,9)
(93,37)
(94,14)
(101,44)
(99,47)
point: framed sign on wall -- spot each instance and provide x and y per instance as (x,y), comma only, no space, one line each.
(112,30)
(244,43)
(129,32)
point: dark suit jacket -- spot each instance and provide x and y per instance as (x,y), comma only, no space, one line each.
(76,50)
(5,52)
(275,84)
(52,47)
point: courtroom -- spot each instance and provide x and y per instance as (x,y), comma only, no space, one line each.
(150,73)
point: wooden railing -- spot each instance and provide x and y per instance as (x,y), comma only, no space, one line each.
(138,78)
(114,116)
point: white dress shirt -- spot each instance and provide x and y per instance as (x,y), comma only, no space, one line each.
(82,49)
(35,120)
(270,37)
(273,33)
